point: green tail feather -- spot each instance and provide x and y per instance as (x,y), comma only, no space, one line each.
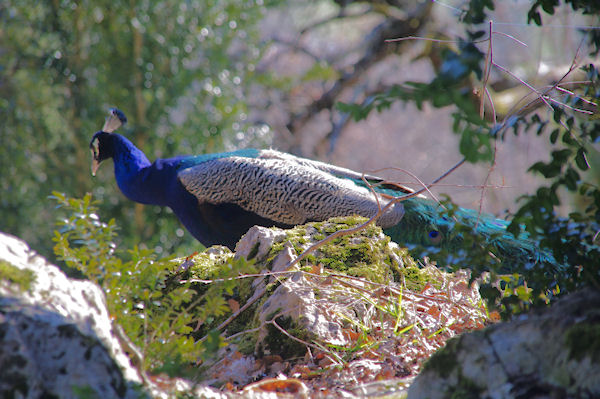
(460,233)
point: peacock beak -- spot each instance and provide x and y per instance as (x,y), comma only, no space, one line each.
(95,163)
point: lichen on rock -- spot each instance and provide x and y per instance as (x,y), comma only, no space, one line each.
(551,352)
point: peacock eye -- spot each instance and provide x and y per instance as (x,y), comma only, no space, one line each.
(434,237)
(94,147)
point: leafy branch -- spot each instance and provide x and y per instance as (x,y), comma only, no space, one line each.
(157,312)
(573,240)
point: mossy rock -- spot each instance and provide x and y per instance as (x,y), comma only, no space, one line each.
(19,278)
(367,254)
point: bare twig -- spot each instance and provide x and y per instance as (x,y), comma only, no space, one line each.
(343,13)
(427,39)
(542,95)
(509,36)
(486,73)
(489,59)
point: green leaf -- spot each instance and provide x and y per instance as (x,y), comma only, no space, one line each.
(581,159)
(548,6)
(561,156)
(535,17)
(357,111)
(571,179)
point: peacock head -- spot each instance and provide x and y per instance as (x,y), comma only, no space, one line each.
(100,144)
(101,149)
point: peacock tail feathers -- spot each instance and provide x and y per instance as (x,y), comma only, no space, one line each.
(454,234)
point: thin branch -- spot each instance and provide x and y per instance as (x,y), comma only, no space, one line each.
(427,39)
(489,59)
(569,92)
(489,97)
(134,352)
(426,187)
(541,96)
(341,14)
(509,36)
(486,74)
(580,110)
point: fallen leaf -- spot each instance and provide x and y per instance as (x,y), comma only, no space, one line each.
(233,305)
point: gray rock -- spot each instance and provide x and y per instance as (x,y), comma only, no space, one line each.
(259,239)
(56,338)
(549,353)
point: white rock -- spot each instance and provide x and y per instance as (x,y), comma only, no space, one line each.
(56,337)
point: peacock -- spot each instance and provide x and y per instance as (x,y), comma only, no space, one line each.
(218,197)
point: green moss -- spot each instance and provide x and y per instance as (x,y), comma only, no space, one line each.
(276,248)
(22,278)
(466,389)
(360,254)
(202,266)
(583,339)
(283,345)
(206,265)
(311,259)
(365,254)
(356,259)
(443,362)
(417,278)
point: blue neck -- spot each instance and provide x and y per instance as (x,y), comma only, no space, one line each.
(129,160)
(137,178)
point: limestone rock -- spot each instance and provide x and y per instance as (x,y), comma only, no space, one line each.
(549,353)
(56,338)
(259,239)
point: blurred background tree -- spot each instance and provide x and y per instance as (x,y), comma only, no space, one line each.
(179,69)
(198,76)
